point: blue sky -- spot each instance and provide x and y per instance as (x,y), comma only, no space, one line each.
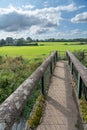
(41,19)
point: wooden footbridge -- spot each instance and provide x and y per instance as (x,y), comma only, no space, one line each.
(62,111)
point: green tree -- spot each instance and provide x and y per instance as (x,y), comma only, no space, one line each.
(2,42)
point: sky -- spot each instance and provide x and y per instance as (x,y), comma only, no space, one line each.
(43,19)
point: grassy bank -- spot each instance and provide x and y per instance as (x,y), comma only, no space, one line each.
(13,71)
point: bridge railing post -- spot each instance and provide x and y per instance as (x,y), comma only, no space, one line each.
(79,86)
(55,58)
(68,58)
(69,61)
(56,55)
(71,67)
(51,68)
(42,84)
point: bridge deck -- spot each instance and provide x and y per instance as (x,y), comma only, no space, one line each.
(61,112)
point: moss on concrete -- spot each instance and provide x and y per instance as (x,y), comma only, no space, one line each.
(83,105)
(36,115)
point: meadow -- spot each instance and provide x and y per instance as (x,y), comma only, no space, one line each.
(40,51)
(18,62)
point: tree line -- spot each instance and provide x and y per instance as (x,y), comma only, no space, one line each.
(9,41)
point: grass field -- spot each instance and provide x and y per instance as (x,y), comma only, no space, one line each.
(13,71)
(39,51)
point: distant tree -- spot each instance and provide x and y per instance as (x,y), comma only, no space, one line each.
(20,42)
(9,41)
(29,39)
(2,42)
(37,40)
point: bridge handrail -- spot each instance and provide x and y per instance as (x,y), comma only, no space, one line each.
(12,107)
(81,69)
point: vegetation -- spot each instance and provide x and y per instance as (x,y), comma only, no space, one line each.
(9,41)
(82,56)
(31,52)
(83,105)
(25,42)
(37,92)
(18,62)
(13,71)
(29,106)
(35,117)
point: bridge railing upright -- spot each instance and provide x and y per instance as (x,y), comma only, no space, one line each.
(85,54)
(12,107)
(79,71)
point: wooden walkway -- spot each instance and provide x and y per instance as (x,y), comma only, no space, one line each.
(61,112)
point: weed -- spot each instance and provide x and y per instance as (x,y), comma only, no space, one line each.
(83,105)
(35,117)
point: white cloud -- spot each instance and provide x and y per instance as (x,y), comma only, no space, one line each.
(70,7)
(80,18)
(82,6)
(27,20)
(75,32)
(14,19)
(34,29)
(20,18)
(28,6)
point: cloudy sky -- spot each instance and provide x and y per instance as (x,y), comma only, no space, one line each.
(41,19)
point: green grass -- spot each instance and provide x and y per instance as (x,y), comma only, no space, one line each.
(57,43)
(39,51)
(13,71)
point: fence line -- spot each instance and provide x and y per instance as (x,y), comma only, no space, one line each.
(13,106)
